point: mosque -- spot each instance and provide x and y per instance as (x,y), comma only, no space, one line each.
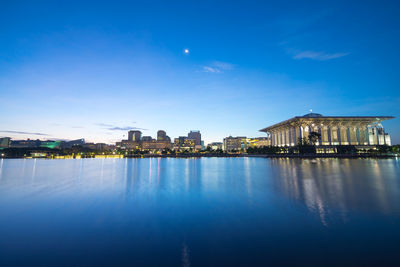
(332,130)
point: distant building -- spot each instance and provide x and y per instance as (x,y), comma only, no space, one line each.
(258,142)
(5,142)
(196,136)
(134,136)
(183,143)
(50,144)
(25,143)
(238,143)
(215,145)
(332,130)
(161,135)
(69,144)
(156,145)
(128,145)
(146,138)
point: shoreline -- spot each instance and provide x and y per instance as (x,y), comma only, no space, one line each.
(195,155)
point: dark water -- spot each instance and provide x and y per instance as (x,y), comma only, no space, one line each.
(195,212)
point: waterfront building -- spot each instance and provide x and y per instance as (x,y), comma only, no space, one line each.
(330,130)
(156,145)
(161,135)
(69,144)
(50,144)
(238,143)
(5,142)
(128,145)
(134,136)
(258,142)
(147,139)
(215,145)
(183,143)
(28,143)
(196,136)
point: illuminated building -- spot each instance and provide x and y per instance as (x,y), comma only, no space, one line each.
(50,144)
(183,143)
(155,145)
(134,136)
(161,135)
(331,130)
(128,145)
(215,145)
(238,143)
(196,136)
(258,142)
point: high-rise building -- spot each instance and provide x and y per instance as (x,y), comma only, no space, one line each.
(183,143)
(134,136)
(161,135)
(196,136)
(147,138)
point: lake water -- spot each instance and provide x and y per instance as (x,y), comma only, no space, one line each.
(195,212)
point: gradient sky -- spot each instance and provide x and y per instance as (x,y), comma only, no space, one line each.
(78,69)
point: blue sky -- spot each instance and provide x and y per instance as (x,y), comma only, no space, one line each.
(94,69)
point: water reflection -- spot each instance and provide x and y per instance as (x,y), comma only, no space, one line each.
(332,187)
(238,210)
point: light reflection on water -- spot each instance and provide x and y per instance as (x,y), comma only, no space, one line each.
(229,211)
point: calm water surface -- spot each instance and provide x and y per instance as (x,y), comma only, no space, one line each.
(194,212)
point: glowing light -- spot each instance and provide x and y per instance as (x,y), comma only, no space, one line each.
(186,51)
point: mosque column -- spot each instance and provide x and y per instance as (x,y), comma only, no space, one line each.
(329,135)
(346,134)
(320,135)
(279,137)
(298,134)
(383,135)
(357,136)
(354,135)
(283,137)
(293,135)
(339,135)
(362,135)
(271,138)
(301,133)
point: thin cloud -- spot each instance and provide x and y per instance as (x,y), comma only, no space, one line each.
(104,125)
(211,69)
(223,65)
(321,56)
(19,132)
(127,128)
(218,67)
(112,127)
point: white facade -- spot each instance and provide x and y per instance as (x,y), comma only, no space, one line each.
(361,130)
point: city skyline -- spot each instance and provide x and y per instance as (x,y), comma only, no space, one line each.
(68,71)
